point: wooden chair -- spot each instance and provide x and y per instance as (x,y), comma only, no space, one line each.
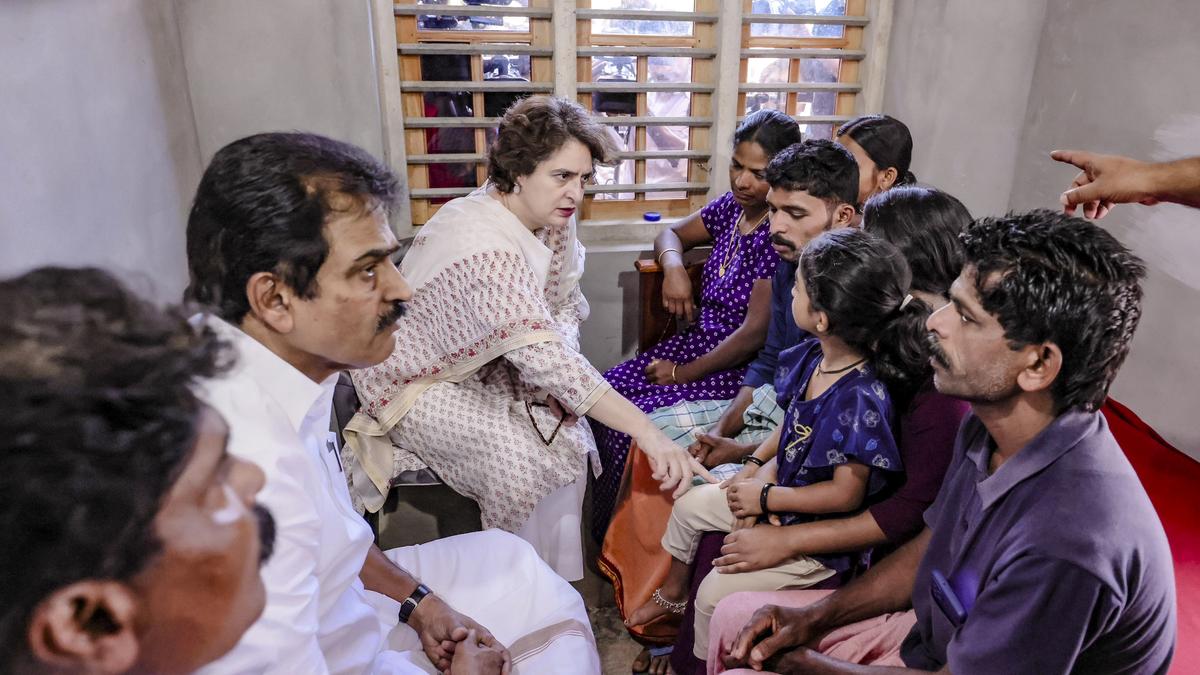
(654,323)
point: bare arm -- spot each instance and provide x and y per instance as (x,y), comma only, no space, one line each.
(742,344)
(886,587)
(670,245)
(764,546)
(844,492)
(1105,180)
(733,419)
(439,627)
(671,463)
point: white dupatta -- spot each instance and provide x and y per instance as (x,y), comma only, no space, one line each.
(460,266)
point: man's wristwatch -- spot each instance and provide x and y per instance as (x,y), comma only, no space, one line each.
(410,603)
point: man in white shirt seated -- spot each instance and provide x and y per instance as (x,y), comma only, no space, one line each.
(289,245)
(130,540)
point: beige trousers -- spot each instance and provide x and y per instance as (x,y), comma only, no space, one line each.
(705,509)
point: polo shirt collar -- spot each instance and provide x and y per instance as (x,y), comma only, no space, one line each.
(291,389)
(1060,436)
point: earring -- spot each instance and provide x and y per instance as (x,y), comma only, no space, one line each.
(516,188)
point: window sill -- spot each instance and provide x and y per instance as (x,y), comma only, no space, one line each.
(620,235)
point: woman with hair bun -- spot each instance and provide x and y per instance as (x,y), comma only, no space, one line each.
(883,147)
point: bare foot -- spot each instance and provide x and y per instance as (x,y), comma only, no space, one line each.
(641,663)
(652,611)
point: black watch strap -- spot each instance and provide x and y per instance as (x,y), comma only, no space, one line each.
(410,603)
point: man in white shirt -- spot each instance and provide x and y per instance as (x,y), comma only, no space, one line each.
(289,245)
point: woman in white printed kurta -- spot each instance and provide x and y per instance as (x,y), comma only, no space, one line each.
(489,347)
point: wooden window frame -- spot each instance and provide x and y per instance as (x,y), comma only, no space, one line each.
(718,100)
(848,49)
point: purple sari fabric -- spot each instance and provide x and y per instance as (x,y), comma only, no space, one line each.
(724,301)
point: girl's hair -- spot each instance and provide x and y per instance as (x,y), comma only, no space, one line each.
(861,282)
(534,128)
(770,129)
(886,141)
(925,225)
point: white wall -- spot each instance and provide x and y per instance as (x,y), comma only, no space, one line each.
(98,153)
(958,75)
(1117,77)
(281,65)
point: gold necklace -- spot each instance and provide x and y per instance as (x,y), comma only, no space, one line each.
(737,243)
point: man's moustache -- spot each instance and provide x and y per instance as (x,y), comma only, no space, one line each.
(386,321)
(780,241)
(266,532)
(935,350)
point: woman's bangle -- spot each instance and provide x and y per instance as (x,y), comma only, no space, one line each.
(762,498)
(658,258)
(751,459)
(673,369)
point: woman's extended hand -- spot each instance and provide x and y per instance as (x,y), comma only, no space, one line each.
(671,464)
(677,292)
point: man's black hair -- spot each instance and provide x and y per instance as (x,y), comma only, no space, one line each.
(262,206)
(1050,277)
(819,167)
(925,225)
(99,420)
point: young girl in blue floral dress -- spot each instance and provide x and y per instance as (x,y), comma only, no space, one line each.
(836,448)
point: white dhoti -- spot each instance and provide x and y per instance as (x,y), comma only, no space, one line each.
(499,581)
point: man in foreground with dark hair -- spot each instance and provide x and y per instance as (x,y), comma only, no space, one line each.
(1042,553)
(289,244)
(131,539)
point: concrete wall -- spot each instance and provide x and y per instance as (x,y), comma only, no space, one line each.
(958,75)
(98,152)
(281,65)
(1115,79)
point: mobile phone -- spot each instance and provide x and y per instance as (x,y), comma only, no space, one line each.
(947,601)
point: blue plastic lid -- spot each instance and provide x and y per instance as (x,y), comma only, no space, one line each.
(652,216)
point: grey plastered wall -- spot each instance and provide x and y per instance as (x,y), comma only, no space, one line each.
(1120,77)
(958,75)
(98,153)
(281,65)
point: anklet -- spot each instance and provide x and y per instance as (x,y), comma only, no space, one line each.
(672,607)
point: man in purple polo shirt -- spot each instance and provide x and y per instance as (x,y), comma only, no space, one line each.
(1042,552)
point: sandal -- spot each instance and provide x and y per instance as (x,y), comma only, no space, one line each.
(651,654)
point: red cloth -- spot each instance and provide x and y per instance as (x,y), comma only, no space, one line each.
(1172,479)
